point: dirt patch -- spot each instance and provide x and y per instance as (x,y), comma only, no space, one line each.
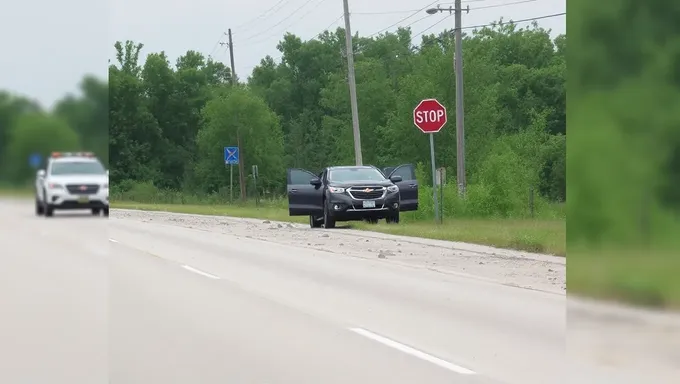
(542,272)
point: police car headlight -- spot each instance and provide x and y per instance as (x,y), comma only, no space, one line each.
(392,188)
(336,190)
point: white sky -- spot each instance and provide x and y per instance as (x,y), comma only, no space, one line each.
(48,46)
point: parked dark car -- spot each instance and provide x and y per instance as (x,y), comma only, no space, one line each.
(352,193)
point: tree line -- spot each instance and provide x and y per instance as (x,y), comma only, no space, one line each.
(169,123)
(75,123)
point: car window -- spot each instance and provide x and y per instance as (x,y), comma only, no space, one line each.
(406,173)
(355,174)
(299,177)
(77,168)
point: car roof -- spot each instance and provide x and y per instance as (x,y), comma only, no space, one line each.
(352,167)
(70,159)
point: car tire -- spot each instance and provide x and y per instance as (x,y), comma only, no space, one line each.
(106,212)
(49,210)
(315,222)
(393,218)
(328,219)
(96,211)
(39,209)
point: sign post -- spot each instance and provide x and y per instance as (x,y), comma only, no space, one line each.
(231,158)
(255,176)
(430,117)
(34,160)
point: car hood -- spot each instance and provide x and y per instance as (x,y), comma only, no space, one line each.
(79,179)
(361,183)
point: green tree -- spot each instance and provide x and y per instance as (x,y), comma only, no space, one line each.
(239,111)
(36,133)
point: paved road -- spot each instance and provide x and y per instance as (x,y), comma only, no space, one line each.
(125,301)
(88,300)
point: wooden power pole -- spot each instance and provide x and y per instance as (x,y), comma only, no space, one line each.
(241,166)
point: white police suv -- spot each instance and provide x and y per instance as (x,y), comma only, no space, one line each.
(72,180)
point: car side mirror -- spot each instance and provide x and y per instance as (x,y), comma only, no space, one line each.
(315,182)
(41,173)
(396,179)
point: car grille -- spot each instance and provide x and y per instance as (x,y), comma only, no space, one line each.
(82,189)
(366,193)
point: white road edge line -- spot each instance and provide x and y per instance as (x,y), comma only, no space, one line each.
(113,241)
(413,352)
(197,271)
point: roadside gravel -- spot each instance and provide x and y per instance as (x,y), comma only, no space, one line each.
(533,271)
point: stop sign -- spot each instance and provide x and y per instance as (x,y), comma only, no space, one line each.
(429,116)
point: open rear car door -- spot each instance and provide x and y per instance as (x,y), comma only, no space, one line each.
(408,186)
(303,198)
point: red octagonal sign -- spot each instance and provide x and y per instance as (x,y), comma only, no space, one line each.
(429,116)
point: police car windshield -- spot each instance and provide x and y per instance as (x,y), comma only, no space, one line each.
(78,168)
(355,174)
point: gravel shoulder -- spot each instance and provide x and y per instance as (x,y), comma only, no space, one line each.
(520,269)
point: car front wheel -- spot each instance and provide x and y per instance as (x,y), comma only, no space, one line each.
(315,221)
(393,218)
(328,219)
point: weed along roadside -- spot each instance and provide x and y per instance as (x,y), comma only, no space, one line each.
(531,235)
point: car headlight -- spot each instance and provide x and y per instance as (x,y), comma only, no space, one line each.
(393,188)
(55,186)
(336,190)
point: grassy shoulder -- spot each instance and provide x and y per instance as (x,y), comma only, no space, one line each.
(12,191)
(644,277)
(533,235)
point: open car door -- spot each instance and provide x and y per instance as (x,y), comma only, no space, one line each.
(408,186)
(303,197)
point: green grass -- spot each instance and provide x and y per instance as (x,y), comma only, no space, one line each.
(533,235)
(12,191)
(642,277)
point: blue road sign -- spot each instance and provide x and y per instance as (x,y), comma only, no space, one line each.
(34,160)
(231,155)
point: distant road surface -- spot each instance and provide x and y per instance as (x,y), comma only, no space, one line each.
(158,298)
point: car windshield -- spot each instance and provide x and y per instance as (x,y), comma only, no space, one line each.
(355,174)
(78,168)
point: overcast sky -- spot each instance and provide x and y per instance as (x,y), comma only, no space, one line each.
(48,46)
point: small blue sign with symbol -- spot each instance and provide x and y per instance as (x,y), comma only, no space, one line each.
(231,155)
(34,160)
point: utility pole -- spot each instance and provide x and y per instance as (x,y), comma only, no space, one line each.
(460,118)
(352,86)
(458,70)
(241,167)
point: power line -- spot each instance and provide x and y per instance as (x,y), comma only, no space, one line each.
(502,5)
(281,21)
(492,24)
(317,35)
(417,10)
(261,15)
(291,24)
(402,20)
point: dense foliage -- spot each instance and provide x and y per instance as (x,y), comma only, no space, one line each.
(624,157)
(75,123)
(170,123)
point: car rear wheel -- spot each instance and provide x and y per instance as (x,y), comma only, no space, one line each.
(328,219)
(315,222)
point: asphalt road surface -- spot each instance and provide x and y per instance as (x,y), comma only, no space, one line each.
(142,300)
